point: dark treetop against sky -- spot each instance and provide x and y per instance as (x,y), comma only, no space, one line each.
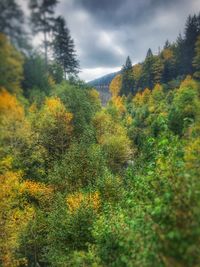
(106,31)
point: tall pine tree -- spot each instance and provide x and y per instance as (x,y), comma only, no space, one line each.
(147,76)
(196,60)
(127,78)
(42,19)
(191,32)
(64,49)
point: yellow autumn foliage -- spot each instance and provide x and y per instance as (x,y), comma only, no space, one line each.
(94,95)
(113,138)
(36,190)
(115,85)
(137,72)
(77,200)
(192,156)
(54,105)
(56,108)
(128,120)
(11,65)
(10,106)
(142,97)
(167,54)
(15,214)
(118,103)
(190,83)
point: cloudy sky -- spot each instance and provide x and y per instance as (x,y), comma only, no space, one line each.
(106,31)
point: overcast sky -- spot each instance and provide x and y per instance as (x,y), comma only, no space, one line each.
(107,31)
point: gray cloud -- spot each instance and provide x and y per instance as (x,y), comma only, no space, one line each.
(106,31)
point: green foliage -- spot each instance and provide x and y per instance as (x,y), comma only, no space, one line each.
(63,47)
(42,20)
(11,66)
(56,72)
(185,107)
(175,60)
(196,60)
(69,233)
(82,165)
(36,80)
(127,78)
(85,185)
(85,99)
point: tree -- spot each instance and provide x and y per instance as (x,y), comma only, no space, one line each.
(127,78)
(56,72)
(54,128)
(137,74)
(191,32)
(11,70)
(15,214)
(63,48)
(168,58)
(179,55)
(115,85)
(157,70)
(114,140)
(149,53)
(196,60)
(147,70)
(42,19)
(11,21)
(35,76)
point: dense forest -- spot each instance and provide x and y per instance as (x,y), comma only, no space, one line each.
(86,185)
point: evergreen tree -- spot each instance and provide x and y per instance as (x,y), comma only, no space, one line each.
(157,70)
(56,72)
(127,78)
(35,75)
(42,19)
(167,44)
(191,33)
(196,60)
(11,21)
(147,76)
(179,55)
(149,53)
(63,48)
(168,58)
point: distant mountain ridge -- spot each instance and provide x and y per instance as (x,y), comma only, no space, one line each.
(101,84)
(104,80)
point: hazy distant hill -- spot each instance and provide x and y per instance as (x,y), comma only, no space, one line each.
(104,80)
(102,86)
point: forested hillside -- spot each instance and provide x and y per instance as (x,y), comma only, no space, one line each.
(86,185)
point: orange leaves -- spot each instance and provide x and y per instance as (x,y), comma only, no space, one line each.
(77,200)
(10,107)
(54,105)
(36,190)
